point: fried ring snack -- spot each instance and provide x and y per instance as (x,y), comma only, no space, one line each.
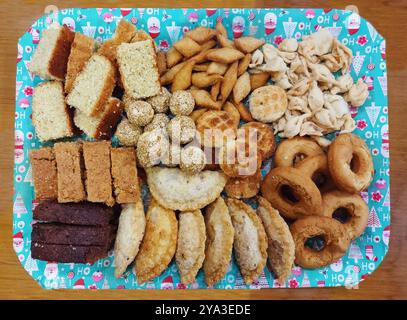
(349,209)
(281,248)
(291,151)
(250,244)
(335,237)
(316,167)
(293,194)
(350,163)
(219,241)
(190,245)
(159,243)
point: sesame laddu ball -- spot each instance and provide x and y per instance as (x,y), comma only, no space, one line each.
(181,129)
(173,157)
(161,101)
(160,121)
(182,103)
(139,113)
(152,146)
(193,160)
(127,133)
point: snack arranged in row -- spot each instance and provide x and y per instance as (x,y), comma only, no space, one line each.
(73,232)
(80,171)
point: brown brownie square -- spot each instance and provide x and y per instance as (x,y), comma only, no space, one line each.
(124,173)
(69,170)
(96,156)
(44,173)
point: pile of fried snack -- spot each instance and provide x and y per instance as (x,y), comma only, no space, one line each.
(189,118)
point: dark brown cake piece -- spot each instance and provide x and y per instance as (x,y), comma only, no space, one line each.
(55,233)
(68,253)
(124,174)
(82,213)
(44,173)
(69,171)
(98,179)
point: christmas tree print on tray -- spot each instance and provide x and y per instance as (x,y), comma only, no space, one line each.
(167,26)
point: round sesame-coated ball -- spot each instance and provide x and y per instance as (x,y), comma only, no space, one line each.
(182,103)
(139,113)
(161,101)
(193,160)
(181,129)
(127,133)
(160,121)
(152,146)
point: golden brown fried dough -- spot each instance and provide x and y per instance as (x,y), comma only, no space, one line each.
(219,241)
(248,44)
(197,113)
(244,64)
(190,245)
(182,79)
(201,34)
(187,47)
(168,77)
(241,88)
(159,243)
(220,28)
(173,57)
(250,241)
(258,80)
(132,224)
(203,80)
(244,112)
(225,55)
(215,89)
(205,49)
(233,112)
(243,187)
(161,62)
(204,99)
(201,67)
(217,68)
(229,80)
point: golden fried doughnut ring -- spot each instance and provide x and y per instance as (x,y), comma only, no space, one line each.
(350,163)
(349,209)
(291,151)
(334,234)
(293,194)
(316,167)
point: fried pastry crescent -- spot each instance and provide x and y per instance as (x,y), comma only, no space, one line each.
(191,245)
(132,223)
(281,247)
(177,190)
(250,242)
(159,243)
(219,241)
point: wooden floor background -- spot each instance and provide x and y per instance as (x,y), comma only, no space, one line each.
(389,281)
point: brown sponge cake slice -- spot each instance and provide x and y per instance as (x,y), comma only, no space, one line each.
(93,86)
(44,173)
(69,171)
(51,56)
(81,51)
(100,127)
(124,174)
(138,69)
(50,116)
(96,156)
(82,213)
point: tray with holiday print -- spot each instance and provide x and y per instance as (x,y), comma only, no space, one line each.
(167,26)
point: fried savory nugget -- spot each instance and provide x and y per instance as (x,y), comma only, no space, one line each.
(219,241)
(159,243)
(132,223)
(191,245)
(250,241)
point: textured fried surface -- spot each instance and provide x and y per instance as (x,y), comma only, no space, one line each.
(219,241)
(159,243)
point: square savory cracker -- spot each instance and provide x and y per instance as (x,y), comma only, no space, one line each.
(124,173)
(69,169)
(100,127)
(138,69)
(81,51)
(44,173)
(96,156)
(124,32)
(51,56)
(51,117)
(93,86)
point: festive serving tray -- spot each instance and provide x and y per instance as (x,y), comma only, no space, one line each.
(166,26)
